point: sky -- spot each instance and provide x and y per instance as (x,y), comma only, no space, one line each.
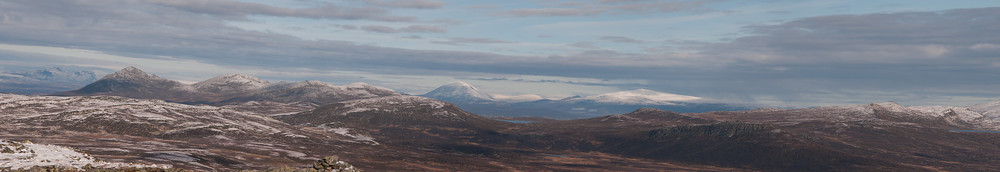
(774,52)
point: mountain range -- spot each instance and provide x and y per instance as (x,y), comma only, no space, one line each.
(240,88)
(231,88)
(473,99)
(249,123)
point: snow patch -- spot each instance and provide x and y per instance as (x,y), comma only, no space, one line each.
(347,132)
(24,155)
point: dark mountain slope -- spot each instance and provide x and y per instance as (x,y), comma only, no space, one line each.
(134,83)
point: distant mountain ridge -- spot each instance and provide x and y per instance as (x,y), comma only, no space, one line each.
(134,83)
(48,80)
(230,88)
(477,101)
(637,97)
(59,74)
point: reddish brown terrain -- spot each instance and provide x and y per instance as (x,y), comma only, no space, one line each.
(395,132)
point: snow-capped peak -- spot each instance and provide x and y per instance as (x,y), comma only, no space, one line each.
(640,96)
(891,106)
(358,85)
(230,82)
(459,91)
(368,87)
(989,109)
(131,73)
(315,83)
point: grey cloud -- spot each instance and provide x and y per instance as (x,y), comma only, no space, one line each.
(409,29)
(419,4)
(344,26)
(620,39)
(413,37)
(232,9)
(913,37)
(849,57)
(463,41)
(422,29)
(447,21)
(379,29)
(487,7)
(555,12)
(932,54)
(600,7)
(585,45)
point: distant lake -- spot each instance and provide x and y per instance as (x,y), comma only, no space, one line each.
(975,131)
(515,121)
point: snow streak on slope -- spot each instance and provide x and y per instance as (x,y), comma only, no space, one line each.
(395,103)
(318,92)
(24,155)
(136,116)
(231,82)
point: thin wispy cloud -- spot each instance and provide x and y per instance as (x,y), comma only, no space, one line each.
(604,7)
(620,39)
(419,4)
(231,9)
(464,41)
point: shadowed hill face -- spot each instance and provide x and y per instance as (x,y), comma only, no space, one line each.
(742,144)
(885,132)
(134,83)
(880,136)
(403,120)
